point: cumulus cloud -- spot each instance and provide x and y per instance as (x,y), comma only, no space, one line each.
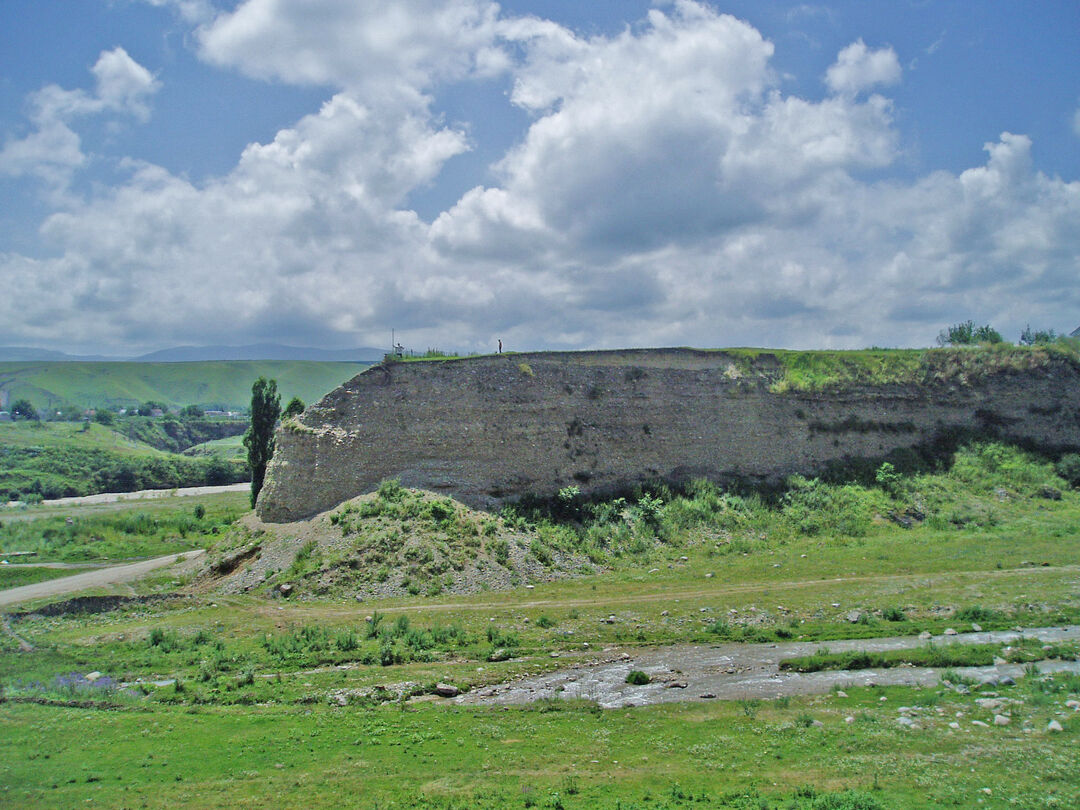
(858,68)
(665,191)
(384,46)
(666,134)
(53,150)
(304,231)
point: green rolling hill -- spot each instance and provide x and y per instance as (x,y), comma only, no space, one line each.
(222,385)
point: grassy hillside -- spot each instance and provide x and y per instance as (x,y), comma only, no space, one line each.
(57,459)
(213,385)
(231,448)
(58,435)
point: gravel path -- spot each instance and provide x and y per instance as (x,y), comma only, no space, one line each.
(110,497)
(91,579)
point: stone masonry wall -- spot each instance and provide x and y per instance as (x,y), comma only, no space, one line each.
(488,430)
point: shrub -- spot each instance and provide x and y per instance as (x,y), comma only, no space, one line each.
(500,550)
(977,613)
(637,678)
(813,507)
(391,490)
(347,640)
(373,625)
(1068,467)
(502,638)
(967,334)
(888,478)
(541,552)
(649,510)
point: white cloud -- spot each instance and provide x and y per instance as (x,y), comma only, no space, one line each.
(1076,122)
(123,85)
(304,234)
(53,150)
(858,68)
(661,135)
(384,46)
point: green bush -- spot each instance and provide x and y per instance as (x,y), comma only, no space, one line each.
(812,507)
(1068,467)
(637,678)
(391,490)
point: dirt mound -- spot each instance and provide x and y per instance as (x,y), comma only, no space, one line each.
(394,542)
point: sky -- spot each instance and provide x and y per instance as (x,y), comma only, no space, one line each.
(554,175)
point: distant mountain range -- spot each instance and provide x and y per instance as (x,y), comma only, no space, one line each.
(191,354)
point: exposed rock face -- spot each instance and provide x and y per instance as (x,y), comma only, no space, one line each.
(490,429)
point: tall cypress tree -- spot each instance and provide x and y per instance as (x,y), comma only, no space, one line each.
(259,438)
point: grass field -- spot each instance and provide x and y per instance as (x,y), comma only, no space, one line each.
(301,701)
(231,448)
(70,435)
(14,576)
(221,385)
(146,529)
(59,459)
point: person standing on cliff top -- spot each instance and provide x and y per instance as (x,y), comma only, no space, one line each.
(500,347)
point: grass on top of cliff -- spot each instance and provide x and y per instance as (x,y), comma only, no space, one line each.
(816,370)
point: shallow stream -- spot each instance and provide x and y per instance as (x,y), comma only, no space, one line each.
(734,671)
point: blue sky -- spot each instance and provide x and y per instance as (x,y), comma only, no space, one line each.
(556,174)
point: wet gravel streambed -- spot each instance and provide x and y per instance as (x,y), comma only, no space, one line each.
(734,671)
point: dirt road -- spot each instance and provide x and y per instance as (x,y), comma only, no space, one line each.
(110,497)
(91,579)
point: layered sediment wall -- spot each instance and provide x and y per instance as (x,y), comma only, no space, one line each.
(491,429)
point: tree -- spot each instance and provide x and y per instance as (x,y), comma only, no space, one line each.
(1039,336)
(191,412)
(23,409)
(967,334)
(259,438)
(104,417)
(294,408)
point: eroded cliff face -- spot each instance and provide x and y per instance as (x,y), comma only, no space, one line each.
(487,430)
